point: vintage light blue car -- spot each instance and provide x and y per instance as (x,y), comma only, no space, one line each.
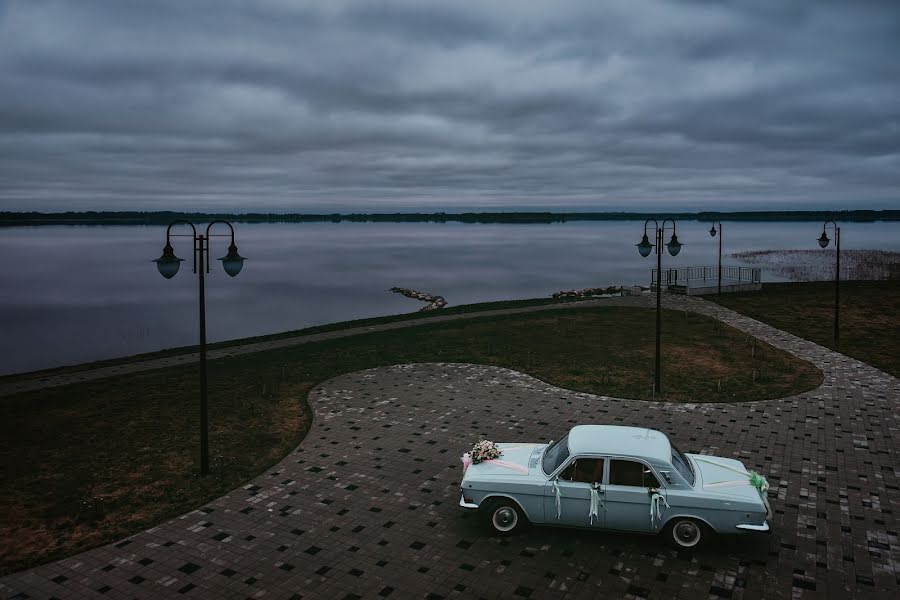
(621,478)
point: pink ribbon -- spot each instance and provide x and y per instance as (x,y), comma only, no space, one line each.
(466,461)
(508,465)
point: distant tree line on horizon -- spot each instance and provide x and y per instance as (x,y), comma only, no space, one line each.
(9,218)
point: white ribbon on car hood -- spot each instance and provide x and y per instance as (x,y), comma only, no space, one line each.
(752,477)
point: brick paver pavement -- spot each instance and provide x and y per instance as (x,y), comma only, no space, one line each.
(366,506)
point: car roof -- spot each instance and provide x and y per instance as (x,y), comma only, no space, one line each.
(616,439)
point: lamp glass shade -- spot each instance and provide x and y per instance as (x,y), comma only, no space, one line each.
(712,231)
(168,263)
(823,241)
(645,247)
(674,246)
(232,262)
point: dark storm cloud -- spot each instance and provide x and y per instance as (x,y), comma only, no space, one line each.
(288,105)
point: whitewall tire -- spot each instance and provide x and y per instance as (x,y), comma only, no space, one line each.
(502,516)
(686,534)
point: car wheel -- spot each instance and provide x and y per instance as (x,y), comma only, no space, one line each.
(503,517)
(686,534)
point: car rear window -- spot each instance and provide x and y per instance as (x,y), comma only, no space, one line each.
(632,473)
(555,455)
(682,465)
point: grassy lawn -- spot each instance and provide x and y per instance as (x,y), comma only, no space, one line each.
(452,310)
(89,463)
(869,324)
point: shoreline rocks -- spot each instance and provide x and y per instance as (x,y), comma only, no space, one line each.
(434,302)
(613,290)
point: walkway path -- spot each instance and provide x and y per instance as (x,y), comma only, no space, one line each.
(366,505)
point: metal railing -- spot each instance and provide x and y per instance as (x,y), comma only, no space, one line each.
(683,275)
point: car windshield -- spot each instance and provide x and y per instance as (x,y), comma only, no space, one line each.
(682,465)
(555,455)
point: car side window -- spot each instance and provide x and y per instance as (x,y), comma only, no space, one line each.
(584,470)
(589,470)
(633,473)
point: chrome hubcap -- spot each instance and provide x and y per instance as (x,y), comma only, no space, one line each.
(687,533)
(505,518)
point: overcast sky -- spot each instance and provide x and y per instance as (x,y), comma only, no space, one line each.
(282,105)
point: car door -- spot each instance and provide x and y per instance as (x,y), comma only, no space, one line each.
(627,495)
(574,482)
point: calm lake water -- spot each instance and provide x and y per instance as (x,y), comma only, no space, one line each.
(73,294)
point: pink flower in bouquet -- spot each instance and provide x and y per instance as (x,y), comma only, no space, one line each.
(484,450)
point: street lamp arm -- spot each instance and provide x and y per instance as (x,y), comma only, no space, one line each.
(179,222)
(208,227)
(674,246)
(193,235)
(823,239)
(655,223)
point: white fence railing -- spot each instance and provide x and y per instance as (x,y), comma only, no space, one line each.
(683,275)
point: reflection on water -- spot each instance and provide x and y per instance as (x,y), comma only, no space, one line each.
(76,293)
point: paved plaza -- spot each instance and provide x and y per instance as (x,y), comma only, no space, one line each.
(366,506)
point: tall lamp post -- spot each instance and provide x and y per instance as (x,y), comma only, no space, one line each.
(168,265)
(712,232)
(645,247)
(823,242)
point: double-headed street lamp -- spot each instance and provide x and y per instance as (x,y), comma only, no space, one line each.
(645,247)
(168,265)
(823,242)
(712,232)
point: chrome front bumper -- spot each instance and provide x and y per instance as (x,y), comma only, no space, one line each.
(464,504)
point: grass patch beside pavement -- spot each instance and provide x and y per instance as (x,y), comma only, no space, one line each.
(869,323)
(366,322)
(92,462)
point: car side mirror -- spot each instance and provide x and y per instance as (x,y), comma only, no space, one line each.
(667,475)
